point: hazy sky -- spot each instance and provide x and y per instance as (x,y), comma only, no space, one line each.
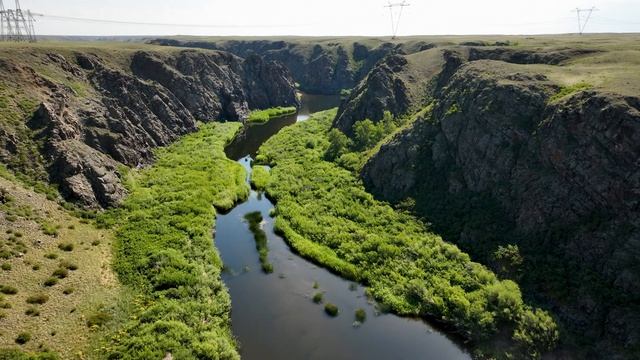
(330,17)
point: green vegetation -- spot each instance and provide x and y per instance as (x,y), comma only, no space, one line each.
(317,297)
(50,281)
(262,116)
(38,299)
(331,309)
(352,154)
(361,315)
(23,338)
(99,318)
(254,219)
(570,90)
(164,252)
(260,177)
(8,290)
(453,109)
(326,215)
(66,246)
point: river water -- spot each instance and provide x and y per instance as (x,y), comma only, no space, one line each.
(273,315)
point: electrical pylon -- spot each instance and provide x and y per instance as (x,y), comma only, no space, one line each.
(395,23)
(16,24)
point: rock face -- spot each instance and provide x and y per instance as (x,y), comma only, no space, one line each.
(131,111)
(498,161)
(320,67)
(382,91)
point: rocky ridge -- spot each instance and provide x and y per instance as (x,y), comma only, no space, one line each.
(124,113)
(501,160)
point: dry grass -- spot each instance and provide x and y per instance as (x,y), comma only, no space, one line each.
(60,324)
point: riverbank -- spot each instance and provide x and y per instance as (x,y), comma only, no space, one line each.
(326,215)
(164,251)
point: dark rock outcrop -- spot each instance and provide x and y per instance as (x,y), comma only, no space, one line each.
(382,91)
(85,139)
(319,66)
(497,162)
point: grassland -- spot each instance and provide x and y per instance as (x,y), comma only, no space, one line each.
(164,252)
(262,116)
(611,68)
(59,267)
(326,215)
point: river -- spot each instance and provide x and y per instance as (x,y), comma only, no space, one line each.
(273,315)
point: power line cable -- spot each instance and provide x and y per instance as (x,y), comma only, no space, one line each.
(121,22)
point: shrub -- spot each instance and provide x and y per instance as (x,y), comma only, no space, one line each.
(36,267)
(32,311)
(68,265)
(6,266)
(95,243)
(38,299)
(317,297)
(331,309)
(49,229)
(68,290)
(361,315)
(99,318)
(260,177)
(51,256)
(60,273)
(8,290)
(66,246)
(51,281)
(23,338)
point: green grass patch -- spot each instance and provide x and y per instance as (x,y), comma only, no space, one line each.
(326,215)
(570,90)
(8,290)
(164,250)
(38,299)
(254,219)
(262,116)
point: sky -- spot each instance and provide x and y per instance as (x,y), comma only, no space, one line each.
(328,17)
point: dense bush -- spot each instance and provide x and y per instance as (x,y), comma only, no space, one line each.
(164,250)
(260,177)
(262,116)
(331,309)
(326,215)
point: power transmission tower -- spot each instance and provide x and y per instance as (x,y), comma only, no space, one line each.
(395,21)
(16,24)
(582,25)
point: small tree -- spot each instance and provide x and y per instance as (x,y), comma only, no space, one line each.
(508,261)
(367,134)
(339,144)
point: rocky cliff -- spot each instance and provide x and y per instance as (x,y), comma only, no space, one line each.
(95,114)
(507,156)
(320,66)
